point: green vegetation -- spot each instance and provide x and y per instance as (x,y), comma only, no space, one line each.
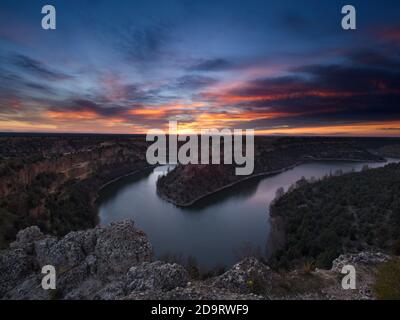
(340,214)
(7,221)
(68,210)
(387,285)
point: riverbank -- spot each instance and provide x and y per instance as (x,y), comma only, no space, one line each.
(125,175)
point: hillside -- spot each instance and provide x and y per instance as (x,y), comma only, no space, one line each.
(341,214)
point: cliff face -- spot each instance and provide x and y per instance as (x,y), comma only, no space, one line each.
(53,181)
(81,164)
(116,263)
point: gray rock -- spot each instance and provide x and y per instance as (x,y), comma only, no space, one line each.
(197,291)
(247,276)
(115,263)
(72,278)
(15,266)
(85,290)
(29,289)
(113,291)
(83,260)
(63,254)
(156,276)
(363,258)
(91,262)
(119,247)
(26,238)
(85,239)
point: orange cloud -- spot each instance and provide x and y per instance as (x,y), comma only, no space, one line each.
(72,115)
(147,112)
(391,128)
(227,98)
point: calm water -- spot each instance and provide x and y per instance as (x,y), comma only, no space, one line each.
(216,230)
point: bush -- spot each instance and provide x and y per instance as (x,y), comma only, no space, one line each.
(308,267)
(387,285)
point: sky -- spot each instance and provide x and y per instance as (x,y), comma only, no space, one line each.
(128,66)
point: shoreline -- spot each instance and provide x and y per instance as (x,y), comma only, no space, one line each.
(266,173)
(125,175)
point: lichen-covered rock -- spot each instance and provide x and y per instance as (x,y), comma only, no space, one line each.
(247,276)
(119,247)
(195,291)
(116,263)
(85,239)
(100,256)
(362,258)
(63,254)
(15,266)
(29,289)
(113,291)
(25,239)
(85,290)
(156,276)
(72,278)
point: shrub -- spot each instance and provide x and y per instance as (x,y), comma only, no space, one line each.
(387,285)
(308,267)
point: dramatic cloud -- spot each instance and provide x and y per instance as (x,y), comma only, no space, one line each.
(271,66)
(90,107)
(341,93)
(141,44)
(212,65)
(37,68)
(194,82)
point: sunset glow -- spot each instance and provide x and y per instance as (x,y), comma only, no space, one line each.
(277,68)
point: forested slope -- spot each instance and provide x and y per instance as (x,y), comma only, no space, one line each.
(347,213)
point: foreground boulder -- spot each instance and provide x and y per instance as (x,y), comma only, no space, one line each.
(248,276)
(156,276)
(359,259)
(80,258)
(15,265)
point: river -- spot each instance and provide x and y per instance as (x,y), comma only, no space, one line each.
(219,229)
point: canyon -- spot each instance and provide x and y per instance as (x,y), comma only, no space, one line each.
(48,215)
(52,180)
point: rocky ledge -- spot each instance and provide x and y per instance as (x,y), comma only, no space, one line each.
(116,262)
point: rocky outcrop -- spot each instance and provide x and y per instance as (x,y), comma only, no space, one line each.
(248,276)
(359,259)
(85,261)
(116,263)
(156,276)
